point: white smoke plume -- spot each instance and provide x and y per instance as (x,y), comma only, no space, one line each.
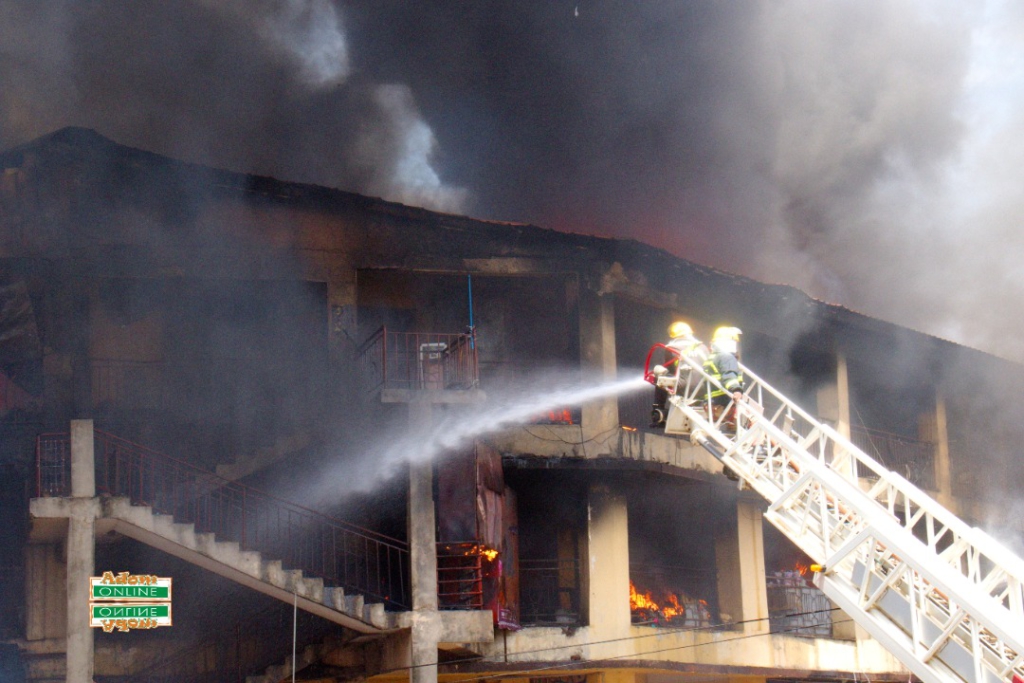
(265,87)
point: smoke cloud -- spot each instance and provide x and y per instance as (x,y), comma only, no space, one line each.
(861,150)
(265,87)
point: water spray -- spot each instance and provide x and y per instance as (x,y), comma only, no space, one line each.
(504,408)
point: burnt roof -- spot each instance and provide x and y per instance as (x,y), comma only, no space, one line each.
(772,307)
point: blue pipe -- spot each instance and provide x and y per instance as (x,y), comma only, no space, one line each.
(472,338)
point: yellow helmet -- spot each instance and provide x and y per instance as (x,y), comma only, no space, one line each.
(680,329)
(723,333)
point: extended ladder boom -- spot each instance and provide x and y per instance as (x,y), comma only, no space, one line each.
(944,597)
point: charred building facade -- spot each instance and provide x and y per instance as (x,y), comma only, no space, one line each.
(214,377)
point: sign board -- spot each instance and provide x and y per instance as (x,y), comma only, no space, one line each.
(124,601)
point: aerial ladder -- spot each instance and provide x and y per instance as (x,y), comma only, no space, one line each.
(943,597)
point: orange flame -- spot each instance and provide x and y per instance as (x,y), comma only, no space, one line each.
(489,553)
(638,601)
(671,607)
(675,609)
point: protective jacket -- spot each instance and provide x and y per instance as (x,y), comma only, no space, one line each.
(726,369)
(688,347)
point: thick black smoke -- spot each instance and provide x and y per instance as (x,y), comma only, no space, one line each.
(850,148)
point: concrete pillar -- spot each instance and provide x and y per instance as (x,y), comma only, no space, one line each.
(83,467)
(46,599)
(834,403)
(739,555)
(608,570)
(598,362)
(834,399)
(843,395)
(341,295)
(940,435)
(80,553)
(423,557)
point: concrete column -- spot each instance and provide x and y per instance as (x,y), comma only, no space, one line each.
(341,295)
(608,569)
(83,467)
(46,599)
(80,566)
(943,475)
(739,555)
(843,395)
(834,402)
(80,553)
(598,362)
(423,558)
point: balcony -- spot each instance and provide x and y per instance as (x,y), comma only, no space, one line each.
(914,459)
(549,592)
(399,363)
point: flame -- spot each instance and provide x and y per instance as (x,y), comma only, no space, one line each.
(489,553)
(802,568)
(638,601)
(675,609)
(670,608)
(561,416)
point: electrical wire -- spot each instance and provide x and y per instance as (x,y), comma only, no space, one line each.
(606,433)
(659,632)
(581,663)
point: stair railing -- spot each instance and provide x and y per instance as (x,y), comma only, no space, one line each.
(343,554)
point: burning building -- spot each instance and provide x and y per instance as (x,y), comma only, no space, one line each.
(196,364)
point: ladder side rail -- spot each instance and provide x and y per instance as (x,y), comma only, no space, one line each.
(979,549)
(864,523)
(997,584)
(939,615)
(841,505)
(982,558)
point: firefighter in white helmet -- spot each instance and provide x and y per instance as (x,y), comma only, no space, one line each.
(723,364)
(681,339)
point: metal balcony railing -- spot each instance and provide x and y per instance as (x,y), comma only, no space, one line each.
(460,583)
(419,360)
(797,608)
(912,458)
(343,554)
(549,592)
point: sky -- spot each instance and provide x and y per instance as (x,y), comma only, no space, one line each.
(865,151)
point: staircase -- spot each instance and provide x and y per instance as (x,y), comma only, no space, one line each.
(327,567)
(943,597)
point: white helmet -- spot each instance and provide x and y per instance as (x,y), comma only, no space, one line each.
(726,339)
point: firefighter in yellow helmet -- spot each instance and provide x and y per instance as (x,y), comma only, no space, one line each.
(683,340)
(723,364)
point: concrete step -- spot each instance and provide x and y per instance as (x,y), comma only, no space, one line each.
(354,605)
(374,613)
(334,597)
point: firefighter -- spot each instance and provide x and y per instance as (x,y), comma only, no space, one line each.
(723,364)
(682,339)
